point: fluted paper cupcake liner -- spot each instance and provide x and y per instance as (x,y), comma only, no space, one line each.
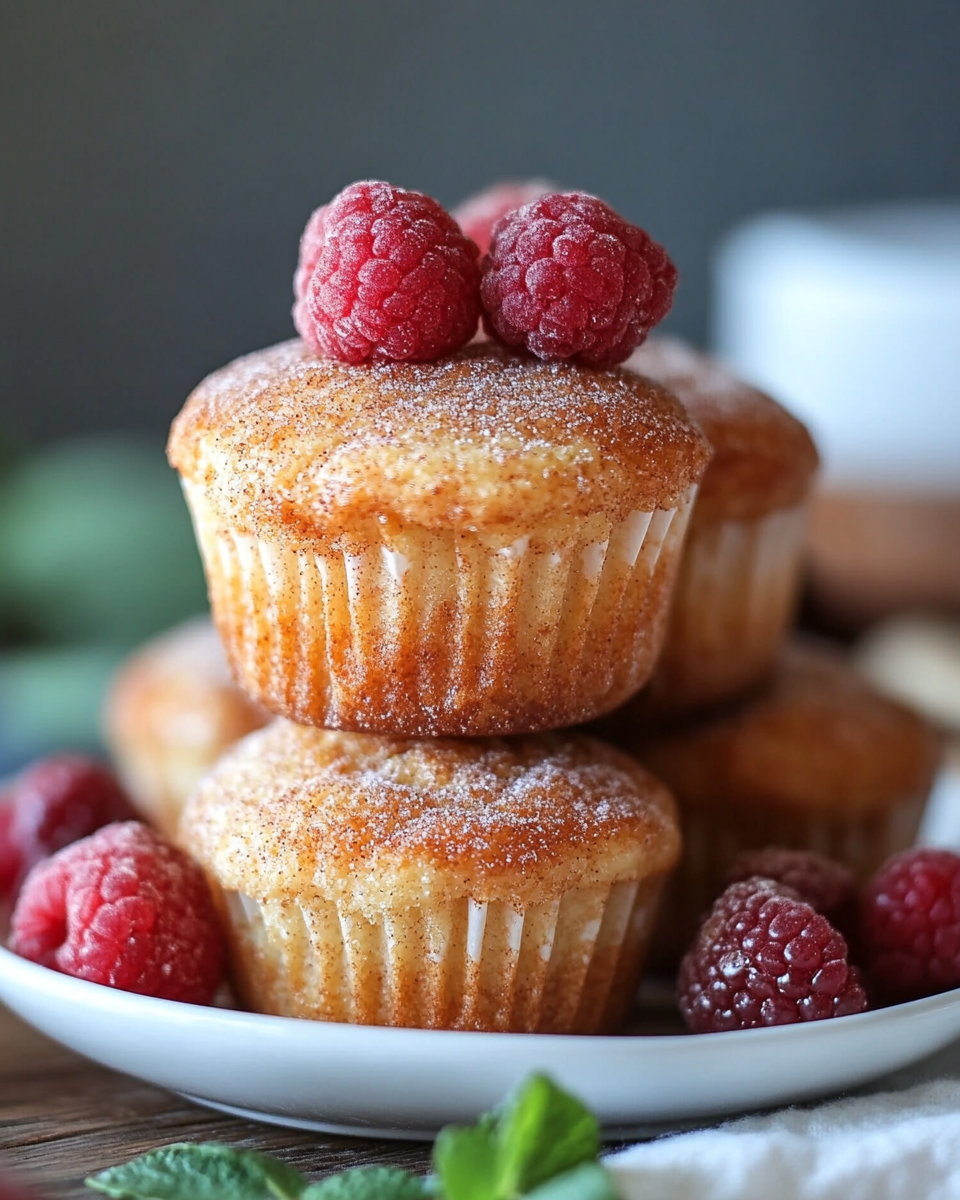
(713,838)
(445,633)
(570,966)
(734,600)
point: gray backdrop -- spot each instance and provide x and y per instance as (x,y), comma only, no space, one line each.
(158,160)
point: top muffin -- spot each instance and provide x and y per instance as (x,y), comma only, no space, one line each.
(480,544)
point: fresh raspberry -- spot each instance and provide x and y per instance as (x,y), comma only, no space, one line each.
(910,919)
(764,957)
(311,244)
(824,884)
(53,803)
(11,864)
(126,908)
(567,277)
(395,278)
(478,214)
(13,1189)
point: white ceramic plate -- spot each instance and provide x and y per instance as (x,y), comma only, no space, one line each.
(409,1082)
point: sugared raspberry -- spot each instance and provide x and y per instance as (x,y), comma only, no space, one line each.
(125,908)
(764,957)
(53,803)
(824,884)
(910,921)
(311,243)
(478,214)
(394,279)
(567,277)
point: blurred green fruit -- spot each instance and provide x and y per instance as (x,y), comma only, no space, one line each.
(96,543)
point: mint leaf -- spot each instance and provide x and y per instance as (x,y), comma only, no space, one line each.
(203,1171)
(542,1131)
(369,1183)
(589,1181)
(465,1160)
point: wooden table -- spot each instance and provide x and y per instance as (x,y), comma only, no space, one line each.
(63,1118)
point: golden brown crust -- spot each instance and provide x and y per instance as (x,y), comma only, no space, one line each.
(171,711)
(379,821)
(763,458)
(818,740)
(289,446)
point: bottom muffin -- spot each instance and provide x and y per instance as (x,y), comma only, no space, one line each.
(486,884)
(818,760)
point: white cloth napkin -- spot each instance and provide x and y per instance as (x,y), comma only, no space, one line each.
(893,1146)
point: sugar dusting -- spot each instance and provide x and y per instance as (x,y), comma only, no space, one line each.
(283,436)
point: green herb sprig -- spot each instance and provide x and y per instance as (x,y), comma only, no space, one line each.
(541,1143)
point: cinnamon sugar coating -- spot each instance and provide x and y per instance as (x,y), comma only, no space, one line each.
(817,740)
(376,822)
(763,458)
(293,448)
(171,711)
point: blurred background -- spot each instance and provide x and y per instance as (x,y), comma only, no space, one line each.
(157,164)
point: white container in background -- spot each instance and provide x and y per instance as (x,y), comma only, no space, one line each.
(852,319)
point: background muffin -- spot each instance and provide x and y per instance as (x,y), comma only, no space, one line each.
(739,577)
(482,884)
(818,761)
(171,711)
(483,544)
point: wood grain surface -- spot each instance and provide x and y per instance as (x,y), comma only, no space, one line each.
(63,1118)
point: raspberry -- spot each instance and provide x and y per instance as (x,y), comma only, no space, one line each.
(394,279)
(13,1189)
(910,921)
(478,214)
(764,957)
(11,864)
(125,908)
(311,243)
(825,885)
(567,277)
(53,803)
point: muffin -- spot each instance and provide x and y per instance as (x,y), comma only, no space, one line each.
(739,577)
(481,544)
(817,761)
(478,884)
(170,713)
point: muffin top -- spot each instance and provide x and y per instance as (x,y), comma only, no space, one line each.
(374,821)
(818,739)
(176,692)
(763,458)
(291,446)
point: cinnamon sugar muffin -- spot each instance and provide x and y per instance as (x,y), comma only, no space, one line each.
(739,577)
(483,544)
(819,760)
(484,884)
(170,713)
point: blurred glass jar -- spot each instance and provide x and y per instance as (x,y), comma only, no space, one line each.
(852,318)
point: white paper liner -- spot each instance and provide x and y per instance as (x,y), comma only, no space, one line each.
(712,839)
(570,966)
(735,597)
(456,633)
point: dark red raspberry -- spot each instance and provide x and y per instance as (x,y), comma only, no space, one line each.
(395,278)
(53,803)
(11,864)
(824,884)
(478,214)
(910,922)
(764,957)
(126,908)
(567,277)
(13,1189)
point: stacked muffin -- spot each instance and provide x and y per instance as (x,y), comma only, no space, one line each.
(423,568)
(764,740)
